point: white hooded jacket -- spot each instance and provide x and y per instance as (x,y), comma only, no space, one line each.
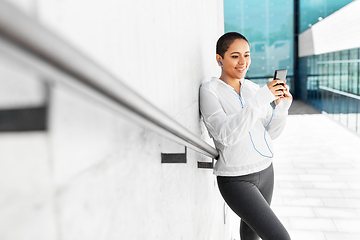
(239,132)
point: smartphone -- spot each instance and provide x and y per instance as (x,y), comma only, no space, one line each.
(281,75)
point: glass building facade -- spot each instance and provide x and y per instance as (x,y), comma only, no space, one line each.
(333,85)
(329,82)
(269,28)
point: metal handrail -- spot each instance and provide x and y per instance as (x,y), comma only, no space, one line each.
(18,31)
(346,94)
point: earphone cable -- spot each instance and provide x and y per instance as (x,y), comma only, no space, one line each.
(242,106)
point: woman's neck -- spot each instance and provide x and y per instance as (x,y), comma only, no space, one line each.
(234,83)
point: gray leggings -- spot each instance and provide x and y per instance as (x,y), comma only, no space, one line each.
(249,196)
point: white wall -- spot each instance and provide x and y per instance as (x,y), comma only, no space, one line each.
(339,31)
(97,174)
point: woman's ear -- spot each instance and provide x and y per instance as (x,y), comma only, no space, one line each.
(219,60)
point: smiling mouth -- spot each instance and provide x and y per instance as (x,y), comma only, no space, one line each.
(241,69)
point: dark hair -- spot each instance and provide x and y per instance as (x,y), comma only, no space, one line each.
(226,40)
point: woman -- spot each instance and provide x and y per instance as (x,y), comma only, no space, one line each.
(242,123)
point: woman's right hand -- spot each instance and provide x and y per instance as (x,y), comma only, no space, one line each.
(276,90)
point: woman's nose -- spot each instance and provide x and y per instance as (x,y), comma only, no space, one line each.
(242,59)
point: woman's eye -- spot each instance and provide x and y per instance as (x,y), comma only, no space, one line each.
(247,55)
(235,56)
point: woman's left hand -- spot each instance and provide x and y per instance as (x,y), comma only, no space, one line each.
(287,95)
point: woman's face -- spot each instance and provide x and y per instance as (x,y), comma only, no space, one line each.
(237,60)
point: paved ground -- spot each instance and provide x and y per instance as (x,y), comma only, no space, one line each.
(317,172)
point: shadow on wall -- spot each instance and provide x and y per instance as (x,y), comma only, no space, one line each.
(23,100)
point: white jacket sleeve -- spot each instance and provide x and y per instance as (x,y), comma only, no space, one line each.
(229,129)
(278,122)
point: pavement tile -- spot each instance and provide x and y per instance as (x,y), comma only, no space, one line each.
(291,171)
(354,185)
(348,225)
(338,164)
(324,193)
(342,202)
(347,178)
(324,171)
(351,193)
(307,235)
(332,185)
(313,224)
(344,213)
(290,192)
(287,177)
(302,201)
(341,236)
(294,211)
(295,184)
(315,177)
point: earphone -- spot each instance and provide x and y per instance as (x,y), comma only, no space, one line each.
(242,106)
